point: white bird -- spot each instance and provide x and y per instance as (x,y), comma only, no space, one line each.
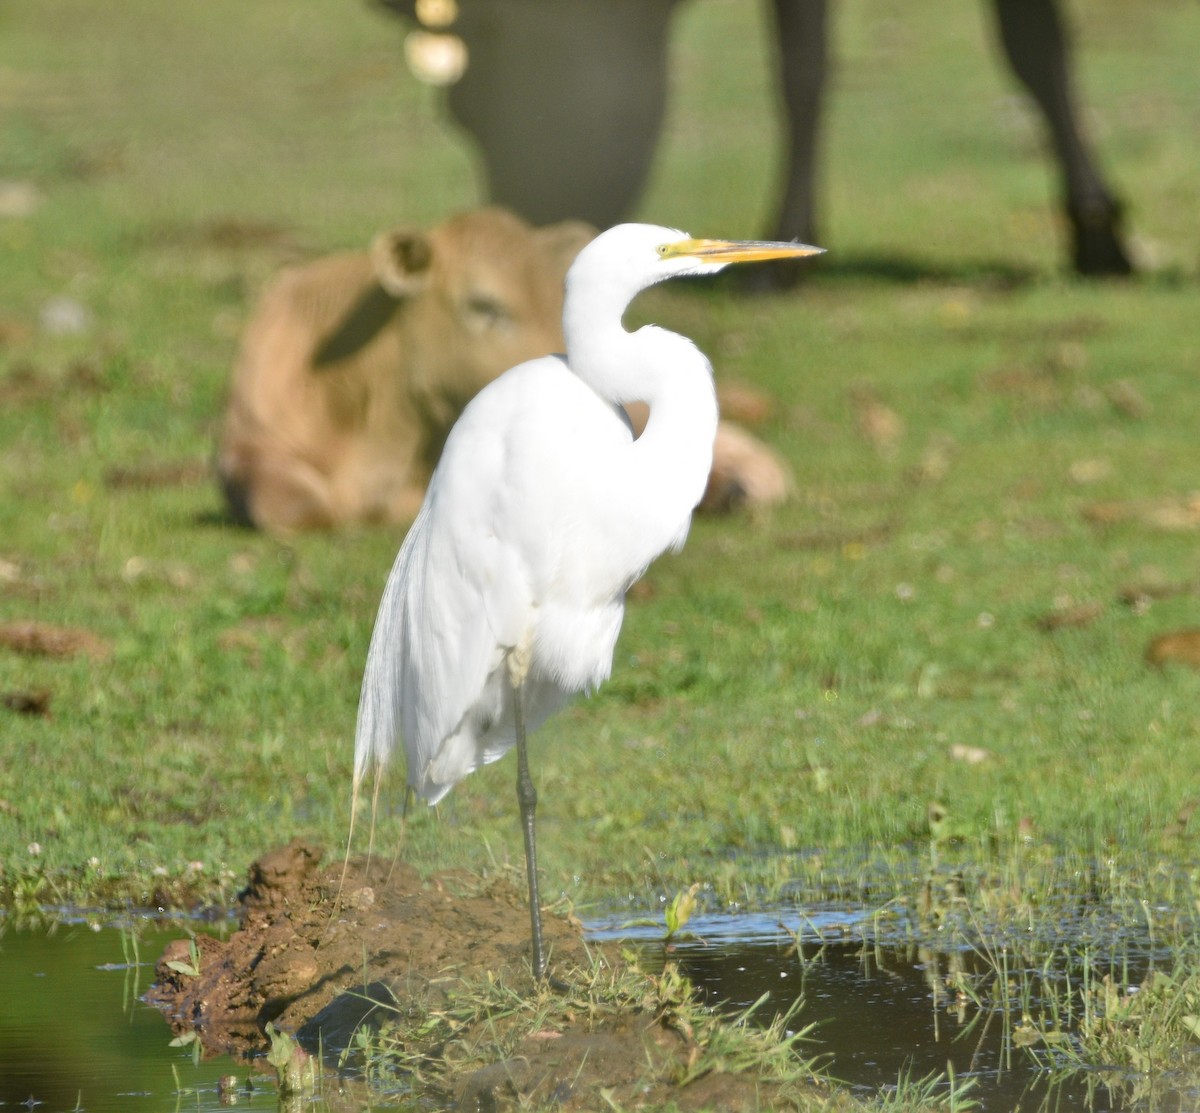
(508,592)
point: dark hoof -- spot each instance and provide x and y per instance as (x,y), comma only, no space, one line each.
(1096,241)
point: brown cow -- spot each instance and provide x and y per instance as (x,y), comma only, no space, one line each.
(354,367)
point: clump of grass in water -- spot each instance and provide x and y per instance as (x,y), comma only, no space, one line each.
(132,953)
(190,968)
(1141,1043)
(483,1021)
(916,1095)
(299,1073)
(737,1045)
(1063,1005)
(28,895)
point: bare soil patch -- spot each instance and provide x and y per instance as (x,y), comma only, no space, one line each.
(42,639)
(1181,647)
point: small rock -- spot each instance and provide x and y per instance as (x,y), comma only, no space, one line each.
(970,755)
(18,199)
(64,316)
(743,403)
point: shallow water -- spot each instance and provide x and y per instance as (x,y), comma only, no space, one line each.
(74,1034)
(880,1008)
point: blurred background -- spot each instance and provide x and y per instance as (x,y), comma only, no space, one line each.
(979,439)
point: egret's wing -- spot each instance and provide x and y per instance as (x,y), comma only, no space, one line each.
(382,695)
(432,654)
(457,598)
(513,547)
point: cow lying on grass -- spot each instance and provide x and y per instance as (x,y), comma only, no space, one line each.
(353,368)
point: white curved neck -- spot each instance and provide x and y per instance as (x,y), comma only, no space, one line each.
(666,471)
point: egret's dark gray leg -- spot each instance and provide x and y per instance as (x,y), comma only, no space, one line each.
(527,799)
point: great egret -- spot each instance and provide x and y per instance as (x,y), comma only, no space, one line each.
(508,592)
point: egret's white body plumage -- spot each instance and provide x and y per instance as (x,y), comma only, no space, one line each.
(541,513)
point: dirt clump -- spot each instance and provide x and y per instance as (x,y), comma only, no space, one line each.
(440,967)
(300,946)
(1180,647)
(41,639)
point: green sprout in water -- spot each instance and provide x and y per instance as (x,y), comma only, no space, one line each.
(297,1069)
(680,910)
(191,968)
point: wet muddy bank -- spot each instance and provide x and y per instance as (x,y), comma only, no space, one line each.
(438,969)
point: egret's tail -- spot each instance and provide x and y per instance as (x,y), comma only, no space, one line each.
(378,727)
(361,764)
(381,695)
(376,733)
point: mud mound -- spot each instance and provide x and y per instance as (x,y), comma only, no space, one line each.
(304,934)
(319,958)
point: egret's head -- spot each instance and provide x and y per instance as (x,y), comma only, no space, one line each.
(630,257)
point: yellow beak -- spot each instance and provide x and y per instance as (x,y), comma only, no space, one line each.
(736,251)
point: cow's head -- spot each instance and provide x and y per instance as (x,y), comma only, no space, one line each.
(477,295)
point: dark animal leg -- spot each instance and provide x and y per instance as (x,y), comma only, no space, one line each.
(802,41)
(1035,43)
(527,799)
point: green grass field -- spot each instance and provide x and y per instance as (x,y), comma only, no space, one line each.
(791,695)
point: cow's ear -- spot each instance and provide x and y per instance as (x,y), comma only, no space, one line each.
(563,241)
(402,259)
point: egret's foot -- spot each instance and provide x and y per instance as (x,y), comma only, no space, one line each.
(556,983)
